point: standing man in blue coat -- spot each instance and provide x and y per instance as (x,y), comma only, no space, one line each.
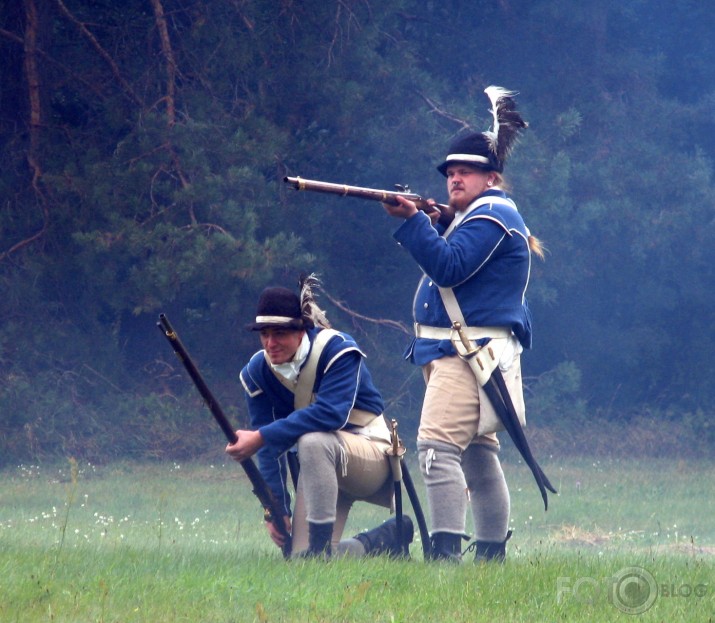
(309,388)
(476,261)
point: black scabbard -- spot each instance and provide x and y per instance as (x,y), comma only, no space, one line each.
(398,517)
(417,509)
(499,396)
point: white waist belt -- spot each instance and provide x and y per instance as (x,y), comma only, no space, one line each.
(376,430)
(358,417)
(472,333)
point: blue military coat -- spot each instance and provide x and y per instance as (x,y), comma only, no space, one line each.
(485,259)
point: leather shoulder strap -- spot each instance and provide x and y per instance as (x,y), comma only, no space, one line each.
(306,380)
(454,311)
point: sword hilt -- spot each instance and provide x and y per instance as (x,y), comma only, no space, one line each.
(397,449)
(468,346)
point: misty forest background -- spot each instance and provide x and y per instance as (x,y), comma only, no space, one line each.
(143,145)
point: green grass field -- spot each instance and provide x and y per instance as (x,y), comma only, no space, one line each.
(172,543)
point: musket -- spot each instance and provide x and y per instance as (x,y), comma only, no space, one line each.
(372,194)
(271,509)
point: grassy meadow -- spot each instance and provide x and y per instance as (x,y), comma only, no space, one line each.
(165,542)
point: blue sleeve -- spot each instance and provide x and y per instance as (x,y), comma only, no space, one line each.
(274,471)
(270,463)
(331,408)
(450,262)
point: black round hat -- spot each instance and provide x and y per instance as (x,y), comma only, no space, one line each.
(278,307)
(473,149)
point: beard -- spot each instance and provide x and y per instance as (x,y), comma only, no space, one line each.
(460,203)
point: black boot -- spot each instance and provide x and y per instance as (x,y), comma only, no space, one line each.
(446,546)
(319,537)
(488,551)
(383,539)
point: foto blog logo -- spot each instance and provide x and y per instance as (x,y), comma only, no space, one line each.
(632,590)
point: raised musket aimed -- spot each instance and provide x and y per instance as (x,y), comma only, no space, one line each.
(371,194)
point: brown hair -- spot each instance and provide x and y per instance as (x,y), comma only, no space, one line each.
(536,247)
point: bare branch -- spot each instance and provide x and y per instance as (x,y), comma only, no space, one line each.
(338,30)
(23,243)
(170,97)
(102,52)
(393,324)
(104,378)
(52,60)
(404,389)
(32,74)
(34,92)
(12,36)
(168,52)
(434,107)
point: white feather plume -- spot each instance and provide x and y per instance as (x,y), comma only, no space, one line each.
(507,122)
(309,284)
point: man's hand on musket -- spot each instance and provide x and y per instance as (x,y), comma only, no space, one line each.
(406,209)
(275,534)
(249,442)
(403,209)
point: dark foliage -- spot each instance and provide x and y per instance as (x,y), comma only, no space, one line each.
(143,146)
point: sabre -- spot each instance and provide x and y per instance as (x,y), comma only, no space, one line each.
(400,475)
(396,452)
(498,394)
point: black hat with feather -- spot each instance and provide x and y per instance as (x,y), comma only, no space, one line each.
(489,150)
(281,308)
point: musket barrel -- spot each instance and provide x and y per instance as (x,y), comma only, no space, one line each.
(345,190)
(360,192)
(196,377)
